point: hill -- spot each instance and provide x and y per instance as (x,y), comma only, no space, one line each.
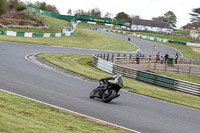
(25,21)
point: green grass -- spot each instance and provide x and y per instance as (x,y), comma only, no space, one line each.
(19,115)
(171,37)
(185,50)
(56,26)
(81,64)
(182,32)
(186,77)
(83,38)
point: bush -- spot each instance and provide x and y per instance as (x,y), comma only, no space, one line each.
(21,7)
(21,22)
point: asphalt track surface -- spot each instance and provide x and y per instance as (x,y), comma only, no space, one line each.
(133,111)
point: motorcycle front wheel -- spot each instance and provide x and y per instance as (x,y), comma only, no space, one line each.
(109,95)
(92,93)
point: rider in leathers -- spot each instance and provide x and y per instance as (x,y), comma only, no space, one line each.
(117,84)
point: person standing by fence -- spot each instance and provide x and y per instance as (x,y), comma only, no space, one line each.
(161,58)
(158,57)
(166,57)
(138,57)
(176,58)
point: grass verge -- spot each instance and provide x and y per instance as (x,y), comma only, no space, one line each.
(56,26)
(81,64)
(186,77)
(83,38)
(19,115)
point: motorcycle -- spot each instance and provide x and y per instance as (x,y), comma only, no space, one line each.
(105,92)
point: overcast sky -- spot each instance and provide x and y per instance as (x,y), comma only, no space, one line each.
(146,9)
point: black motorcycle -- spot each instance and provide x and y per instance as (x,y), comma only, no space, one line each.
(105,91)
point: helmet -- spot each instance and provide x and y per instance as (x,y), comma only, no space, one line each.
(118,78)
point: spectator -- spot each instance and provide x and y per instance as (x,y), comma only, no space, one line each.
(158,57)
(138,57)
(166,57)
(176,58)
(161,58)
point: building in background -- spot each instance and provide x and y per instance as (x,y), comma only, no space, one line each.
(150,25)
(192,26)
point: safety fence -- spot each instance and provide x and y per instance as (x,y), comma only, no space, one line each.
(97,19)
(131,58)
(50,14)
(30,34)
(143,76)
(148,62)
(155,38)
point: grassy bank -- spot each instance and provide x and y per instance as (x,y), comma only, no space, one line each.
(56,26)
(19,115)
(185,50)
(186,77)
(83,38)
(182,32)
(81,64)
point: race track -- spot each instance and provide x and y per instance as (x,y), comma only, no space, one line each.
(132,111)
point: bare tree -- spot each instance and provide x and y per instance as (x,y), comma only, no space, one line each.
(107,15)
(69,12)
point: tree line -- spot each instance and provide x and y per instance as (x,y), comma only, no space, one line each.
(168,17)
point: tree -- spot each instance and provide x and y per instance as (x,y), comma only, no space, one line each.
(131,19)
(107,15)
(13,3)
(3,6)
(195,16)
(114,22)
(159,18)
(170,18)
(69,12)
(52,8)
(80,12)
(43,6)
(96,12)
(123,16)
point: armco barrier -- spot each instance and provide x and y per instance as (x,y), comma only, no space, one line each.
(29,34)
(143,76)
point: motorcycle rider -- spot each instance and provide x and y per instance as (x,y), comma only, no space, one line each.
(117,84)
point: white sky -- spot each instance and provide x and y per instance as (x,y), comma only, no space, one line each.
(146,9)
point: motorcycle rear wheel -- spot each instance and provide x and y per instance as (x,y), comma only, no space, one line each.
(109,95)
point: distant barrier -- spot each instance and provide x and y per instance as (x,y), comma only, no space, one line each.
(29,34)
(174,84)
(156,38)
